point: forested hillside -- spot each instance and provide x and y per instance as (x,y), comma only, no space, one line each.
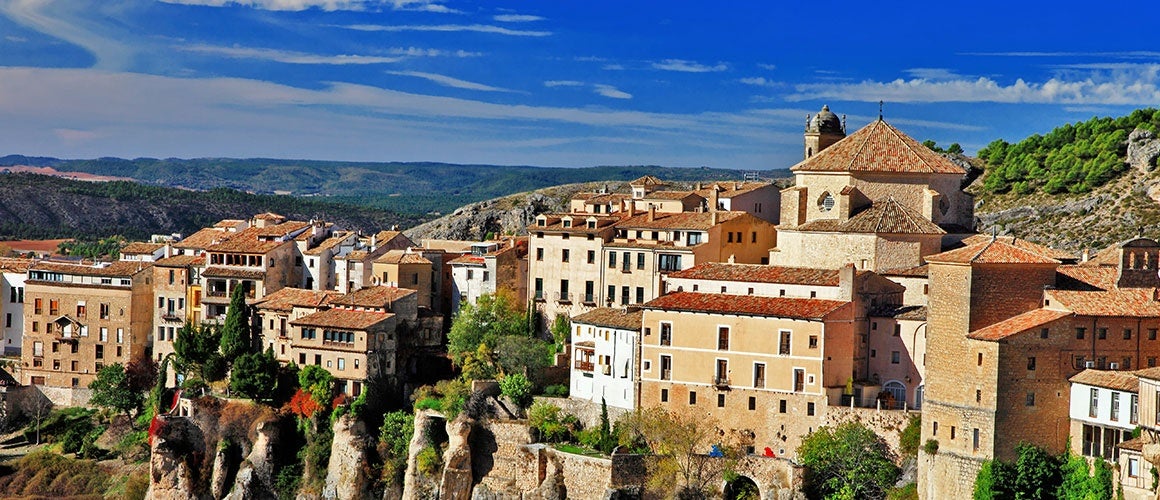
(1072,158)
(37,206)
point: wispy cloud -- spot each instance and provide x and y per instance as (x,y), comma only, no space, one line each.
(769,67)
(288,57)
(448,81)
(478,28)
(517,18)
(1132,54)
(563,83)
(688,66)
(326,5)
(60,21)
(423,6)
(15,39)
(611,92)
(613,67)
(759,81)
(1138,85)
(933,73)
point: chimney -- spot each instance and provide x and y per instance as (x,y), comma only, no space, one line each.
(713,218)
(1085,256)
(698,186)
(713,198)
(652,213)
(374,242)
(846,282)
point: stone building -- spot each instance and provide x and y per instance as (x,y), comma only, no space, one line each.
(176,298)
(81,317)
(491,266)
(277,310)
(604,363)
(13,273)
(406,269)
(566,262)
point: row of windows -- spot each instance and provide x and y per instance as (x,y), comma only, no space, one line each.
(783,405)
(16,294)
(784,346)
(341,362)
(722,374)
(471,274)
(1101,333)
(98,351)
(104,310)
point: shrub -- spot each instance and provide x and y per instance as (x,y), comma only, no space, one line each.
(931,446)
(517,388)
(911,436)
(431,403)
(556,391)
(428,461)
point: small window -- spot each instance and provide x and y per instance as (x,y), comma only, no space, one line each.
(1043,333)
(1151,334)
(975,439)
(810,408)
(980,361)
(895,357)
(781,406)
(897,330)
(978,396)
(591,256)
(813,341)
(1031,363)
(720,400)
(664,395)
(539,254)
(692,397)
(1079,332)
(752,403)
(1127,334)
(1102,333)
(1030,399)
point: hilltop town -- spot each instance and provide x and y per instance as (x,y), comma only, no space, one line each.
(750,315)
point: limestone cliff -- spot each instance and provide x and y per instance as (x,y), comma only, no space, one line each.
(348,475)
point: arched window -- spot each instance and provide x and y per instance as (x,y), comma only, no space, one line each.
(826,202)
(897,390)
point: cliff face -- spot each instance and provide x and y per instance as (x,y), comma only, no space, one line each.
(348,475)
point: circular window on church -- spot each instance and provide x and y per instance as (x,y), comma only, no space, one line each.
(943,205)
(826,202)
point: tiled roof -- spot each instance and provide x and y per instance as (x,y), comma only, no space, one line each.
(883,216)
(991,251)
(1125,302)
(670,195)
(354,255)
(579,222)
(123,268)
(757,273)
(679,220)
(343,318)
(610,317)
(1149,373)
(1134,444)
(203,238)
(374,296)
(247,241)
(1017,324)
(1108,379)
(269,216)
(731,189)
(282,229)
(911,272)
(746,305)
(326,244)
(910,313)
(476,260)
(286,298)
(14,265)
(229,272)
(1081,277)
(228,223)
(454,246)
(878,147)
(140,247)
(181,261)
(647,180)
(401,257)
(1043,250)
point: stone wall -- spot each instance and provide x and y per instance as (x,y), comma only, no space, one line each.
(584,477)
(587,411)
(62,396)
(886,423)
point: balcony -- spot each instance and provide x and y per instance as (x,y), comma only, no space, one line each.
(216,293)
(171,317)
(584,366)
(589,299)
(564,298)
(667,374)
(721,382)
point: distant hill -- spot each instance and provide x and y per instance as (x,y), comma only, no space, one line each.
(37,206)
(412,188)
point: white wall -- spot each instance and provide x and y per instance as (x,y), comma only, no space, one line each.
(617,388)
(13,335)
(1081,398)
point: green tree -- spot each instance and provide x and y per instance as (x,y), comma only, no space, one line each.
(993,481)
(491,317)
(681,441)
(561,331)
(237,338)
(394,444)
(518,388)
(849,460)
(318,382)
(111,390)
(517,354)
(1036,473)
(955,148)
(196,348)
(255,375)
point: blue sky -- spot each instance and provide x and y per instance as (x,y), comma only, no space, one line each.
(552,83)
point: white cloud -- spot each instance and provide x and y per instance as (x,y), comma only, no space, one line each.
(423,6)
(448,81)
(563,83)
(517,18)
(933,73)
(421,52)
(478,28)
(759,81)
(610,91)
(60,20)
(1132,54)
(326,5)
(15,39)
(1138,85)
(613,67)
(288,57)
(769,67)
(688,66)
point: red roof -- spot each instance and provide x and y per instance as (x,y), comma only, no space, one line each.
(286,298)
(883,216)
(1123,302)
(1043,250)
(757,273)
(1109,379)
(374,296)
(746,305)
(878,147)
(1017,324)
(992,251)
(343,319)
(678,220)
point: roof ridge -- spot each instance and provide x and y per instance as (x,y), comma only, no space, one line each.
(981,250)
(901,139)
(858,153)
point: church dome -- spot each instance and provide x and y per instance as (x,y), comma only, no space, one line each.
(825,122)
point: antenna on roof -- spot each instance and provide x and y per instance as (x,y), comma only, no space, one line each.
(994,233)
(880,103)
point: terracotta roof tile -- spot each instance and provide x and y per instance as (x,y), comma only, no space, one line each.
(678,220)
(269,216)
(883,216)
(1149,373)
(757,273)
(992,251)
(647,180)
(286,298)
(610,317)
(922,271)
(15,265)
(1134,444)
(746,305)
(878,147)
(374,296)
(279,230)
(181,261)
(1043,250)
(670,195)
(1082,277)
(203,238)
(229,272)
(123,268)
(140,247)
(1108,379)
(343,318)
(401,257)
(247,241)
(326,244)
(1125,302)
(1017,324)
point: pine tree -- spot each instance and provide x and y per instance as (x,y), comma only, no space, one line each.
(236,336)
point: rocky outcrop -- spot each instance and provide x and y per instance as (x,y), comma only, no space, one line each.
(1143,149)
(509,215)
(347,476)
(173,463)
(255,477)
(457,479)
(415,486)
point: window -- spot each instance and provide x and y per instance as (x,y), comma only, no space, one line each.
(611,294)
(759,375)
(1031,363)
(592,256)
(1030,399)
(485,276)
(415,279)
(692,397)
(722,338)
(1079,332)
(589,292)
(640,260)
(664,395)
(810,409)
(897,330)
(37,305)
(1151,334)
(1115,406)
(341,363)
(895,357)
(980,361)
(612,260)
(978,396)
(54,306)
(934,429)
(624,295)
(668,262)
(720,400)
(693,238)
(666,334)
(80,310)
(952,433)
(1094,403)
(813,341)
(975,439)
(539,254)
(1043,333)
(302,359)
(1133,467)
(784,343)
(781,406)
(564,290)
(730,234)
(666,367)
(1102,333)
(104,334)
(754,237)
(752,403)
(100,352)
(1127,334)
(625,262)
(539,289)
(1134,409)
(565,254)
(470,275)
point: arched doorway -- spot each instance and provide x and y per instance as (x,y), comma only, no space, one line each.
(897,391)
(742,488)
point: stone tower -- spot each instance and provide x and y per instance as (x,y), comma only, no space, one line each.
(822,130)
